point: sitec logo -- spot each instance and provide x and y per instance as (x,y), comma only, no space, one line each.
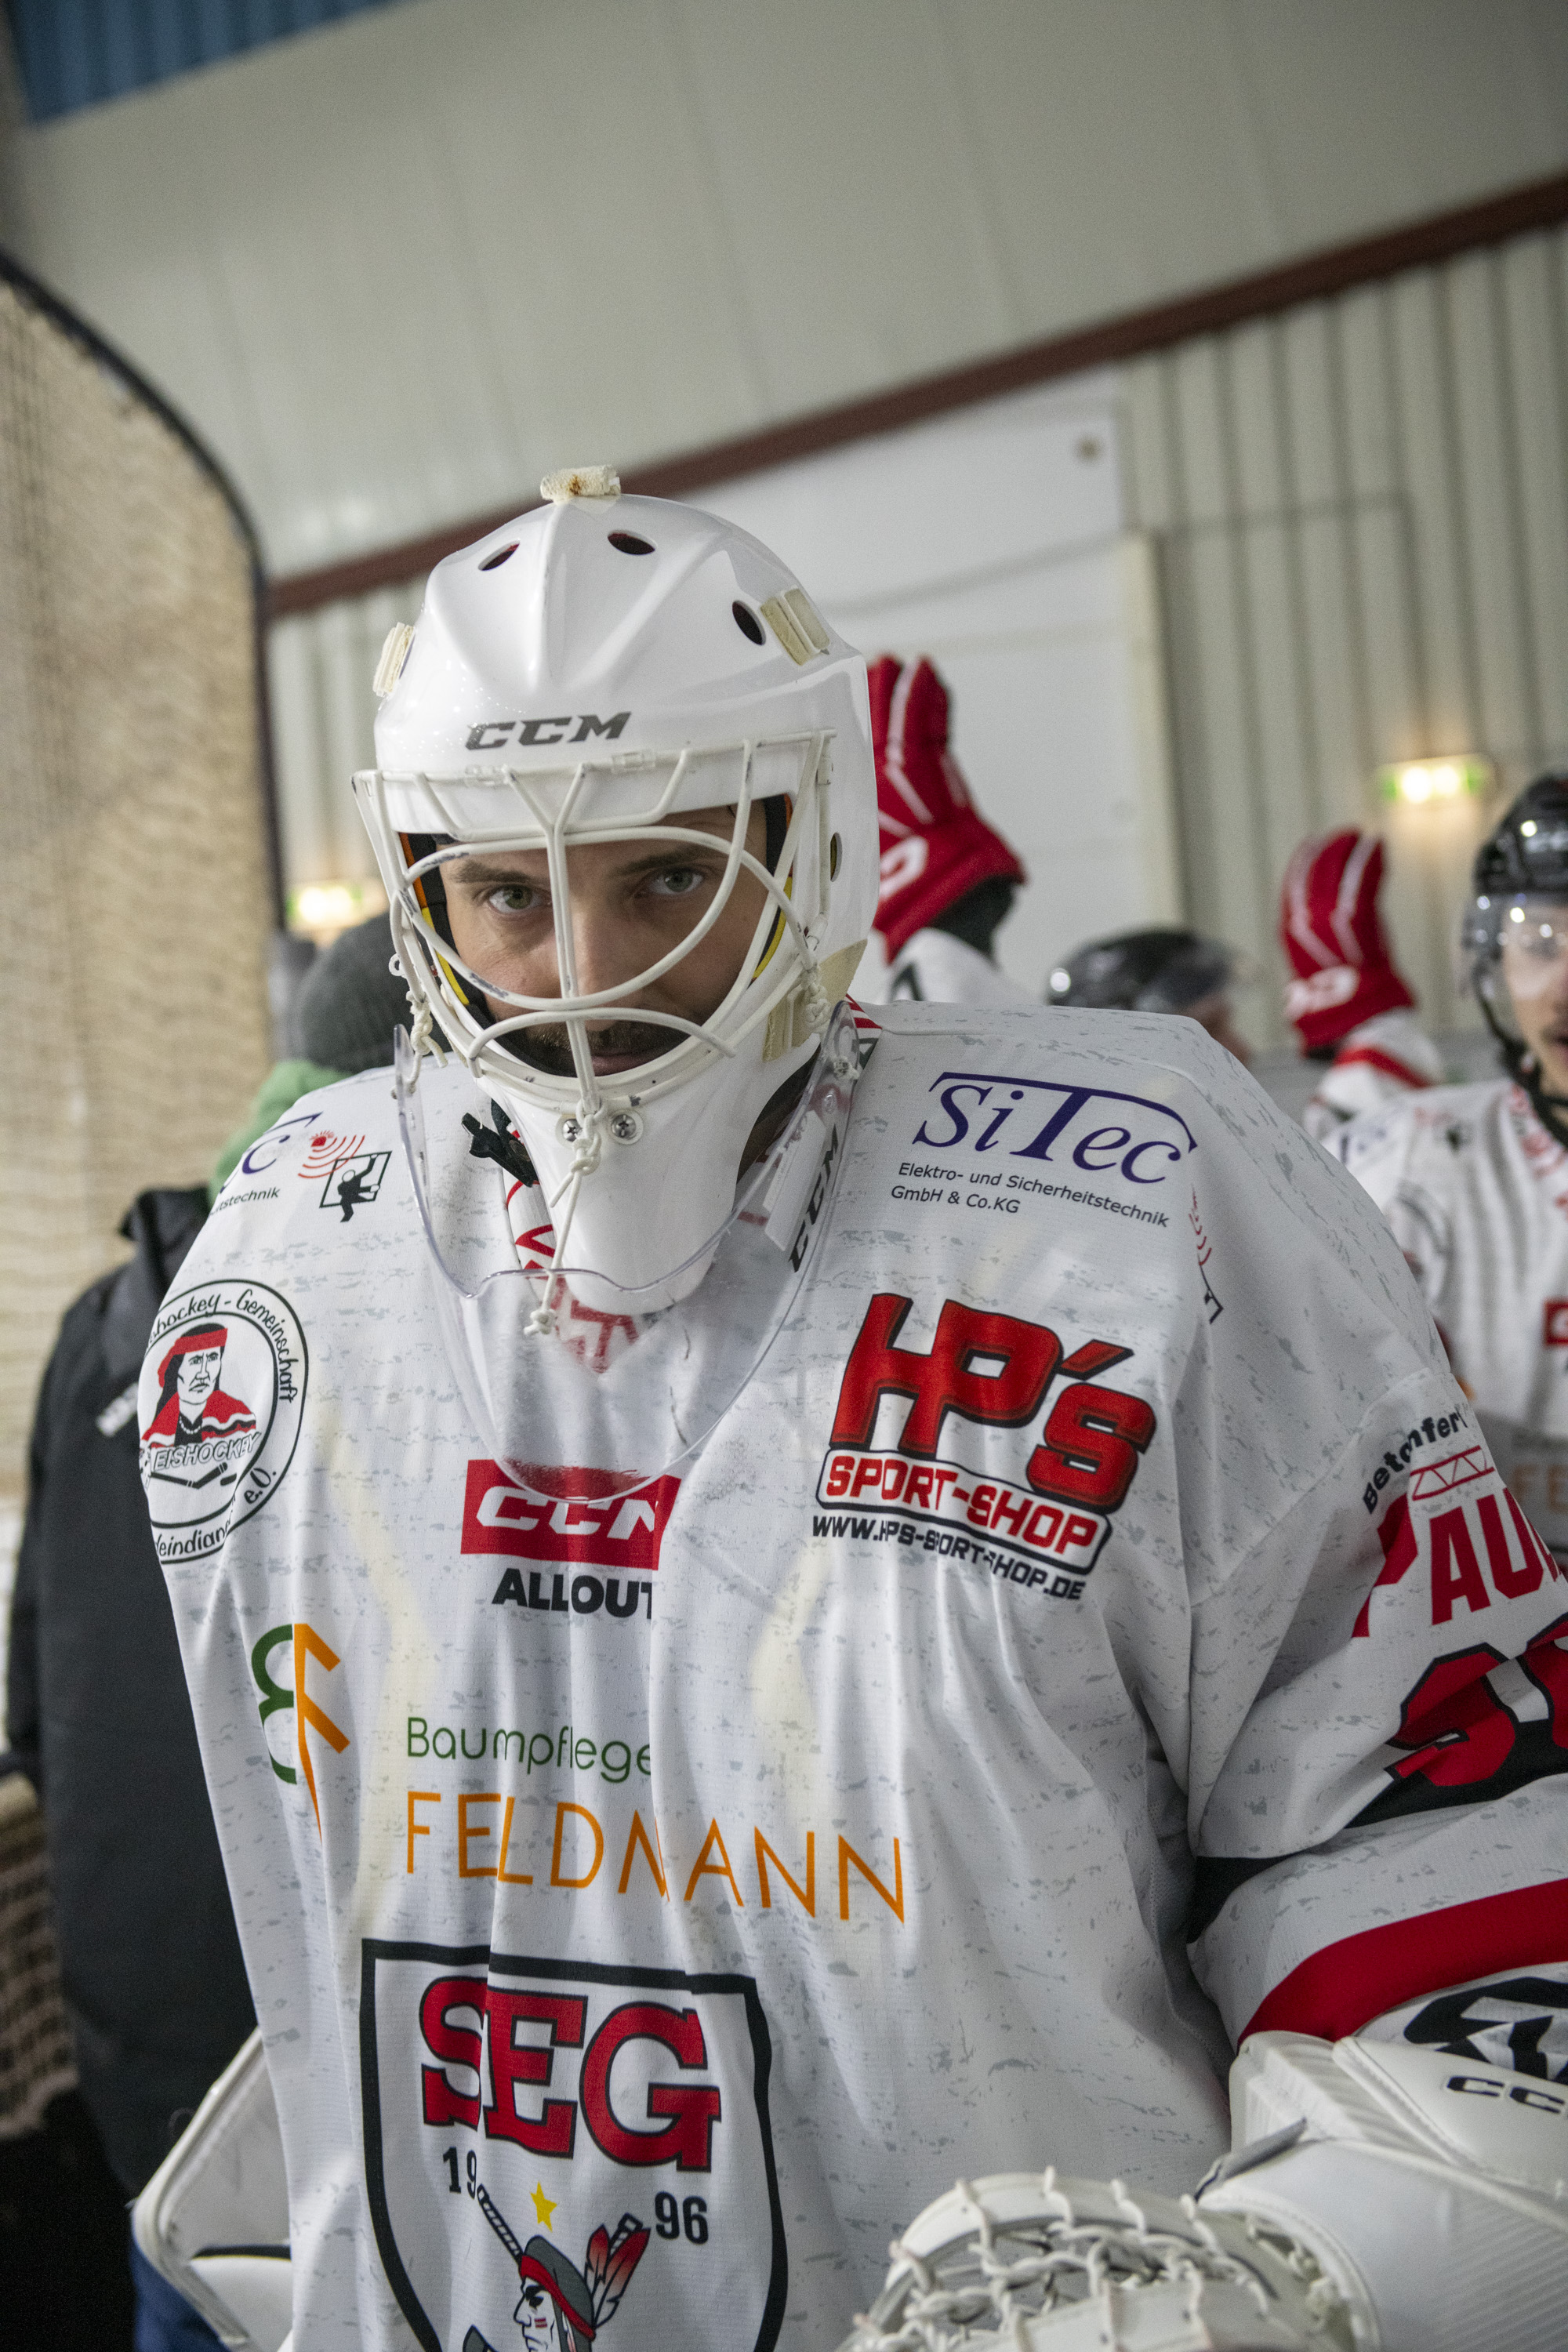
(1099,1129)
(591,1519)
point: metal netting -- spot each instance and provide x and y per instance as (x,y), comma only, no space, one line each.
(135,830)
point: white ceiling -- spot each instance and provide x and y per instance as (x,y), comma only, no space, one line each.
(394,269)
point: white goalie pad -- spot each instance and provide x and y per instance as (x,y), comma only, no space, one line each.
(1037,2263)
(1433,2189)
(214,2218)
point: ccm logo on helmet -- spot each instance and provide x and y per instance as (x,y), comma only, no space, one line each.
(490,734)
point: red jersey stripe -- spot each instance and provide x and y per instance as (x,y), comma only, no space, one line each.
(1347,1984)
(1376,1059)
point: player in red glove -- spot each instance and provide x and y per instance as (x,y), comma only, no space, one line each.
(948,879)
(1351,1008)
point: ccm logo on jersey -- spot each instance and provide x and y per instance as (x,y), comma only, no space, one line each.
(590,1522)
(1044,1529)
(1555,1323)
(1094,1128)
(490,734)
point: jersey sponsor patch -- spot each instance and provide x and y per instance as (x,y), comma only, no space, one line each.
(1456,1515)
(1435,1470)
(1096,1129)
(992,1371)
(288,1650)
(354,1182)
(566,2148)
(942,1494)
(588,1520)
(325,1151)
(220,1403)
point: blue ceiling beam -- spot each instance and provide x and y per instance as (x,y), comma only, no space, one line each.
(77,53)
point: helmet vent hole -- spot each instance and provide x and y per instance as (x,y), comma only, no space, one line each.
(493,562)
(834,854)
(631,544)
(748,624)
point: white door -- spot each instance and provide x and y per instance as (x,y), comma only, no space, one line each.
(993,540)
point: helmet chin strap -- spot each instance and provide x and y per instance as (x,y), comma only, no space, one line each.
(1525,1071)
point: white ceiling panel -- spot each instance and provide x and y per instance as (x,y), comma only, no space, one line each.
(394,269)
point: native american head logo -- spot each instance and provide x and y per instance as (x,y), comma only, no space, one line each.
(560,2308)
(192,1405)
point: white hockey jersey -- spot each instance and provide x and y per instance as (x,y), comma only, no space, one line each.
(650,1905)
(1477,1192)
(1381,1061)
(934,968)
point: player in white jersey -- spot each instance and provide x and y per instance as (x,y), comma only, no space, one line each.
(1474,1180)
(727,1708)
(1351,1010)
(948,879)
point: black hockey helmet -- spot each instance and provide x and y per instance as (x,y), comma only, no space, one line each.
(1164,969)
(1521,878)
(1524,856)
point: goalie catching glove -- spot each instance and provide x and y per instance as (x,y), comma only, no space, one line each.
(1380,2198)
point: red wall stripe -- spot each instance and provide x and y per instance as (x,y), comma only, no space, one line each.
(1311,278)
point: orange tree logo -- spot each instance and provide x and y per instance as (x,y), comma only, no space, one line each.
(301,1642)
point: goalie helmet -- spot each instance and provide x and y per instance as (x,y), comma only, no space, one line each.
(588,674)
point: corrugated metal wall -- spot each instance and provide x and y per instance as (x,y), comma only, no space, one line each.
(1361,510)
(323,714)
(1363,513)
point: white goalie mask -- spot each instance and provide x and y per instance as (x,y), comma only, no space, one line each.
(585,677)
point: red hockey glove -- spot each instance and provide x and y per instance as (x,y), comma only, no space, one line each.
(936,847)
(1329,928)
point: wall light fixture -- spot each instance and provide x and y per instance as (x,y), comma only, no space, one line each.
(1464,775)
(321,909)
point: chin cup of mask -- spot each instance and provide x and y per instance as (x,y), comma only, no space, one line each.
(572,1400)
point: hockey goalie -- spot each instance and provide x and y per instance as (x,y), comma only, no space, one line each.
(803,1607)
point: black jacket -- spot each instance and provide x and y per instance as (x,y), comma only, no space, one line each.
(99,1719)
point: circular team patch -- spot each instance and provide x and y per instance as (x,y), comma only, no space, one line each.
(222,1393)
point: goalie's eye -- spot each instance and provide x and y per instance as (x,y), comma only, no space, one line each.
(678,881)
(519,897)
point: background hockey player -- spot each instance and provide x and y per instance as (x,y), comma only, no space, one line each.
(948,879)
(1351,1010)
(985,1643)
(1165,968)
(96,1709)
(1474,1179)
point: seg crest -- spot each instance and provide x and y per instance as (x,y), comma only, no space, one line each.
(560,2153)
(222,1393)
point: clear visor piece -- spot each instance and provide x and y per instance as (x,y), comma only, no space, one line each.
(1533,942)
(573,1400)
